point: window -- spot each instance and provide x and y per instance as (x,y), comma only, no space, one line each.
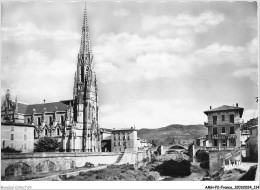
(115,137)
(28,120)
(119,137)
(12,136)
(214,120)
(231,118)
(25,137)
(224,142)
(58,131)
(232,130)
(223,117)
(233,142)
(223,129)
(62,119)
(115,143)
(39,121)
(25,146)
(34,133)
(215,130)
(12,128)
(46,132)
(50,120)
(215,142)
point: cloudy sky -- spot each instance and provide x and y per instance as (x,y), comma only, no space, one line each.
(157,63)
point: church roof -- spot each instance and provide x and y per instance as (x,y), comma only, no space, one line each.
(50,107)
(225,108)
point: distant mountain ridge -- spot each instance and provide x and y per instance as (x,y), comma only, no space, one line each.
(174,134)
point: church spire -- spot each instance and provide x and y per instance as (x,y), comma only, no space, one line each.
(85,46)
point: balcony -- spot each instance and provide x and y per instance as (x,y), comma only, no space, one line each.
(223,136)
(216,148)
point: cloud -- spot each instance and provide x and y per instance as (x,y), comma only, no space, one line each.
(129,58)
(121,13)
(34,77)
(28,32)
(250,73)
(182,24)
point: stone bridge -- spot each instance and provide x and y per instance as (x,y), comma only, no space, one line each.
(29,163)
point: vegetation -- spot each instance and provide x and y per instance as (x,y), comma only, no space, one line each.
(204,164)
(174,168)
(230,175)
(10,150)
(46,144)
(202,155)
(117,173)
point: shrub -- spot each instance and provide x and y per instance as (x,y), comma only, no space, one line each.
(10,150)
(202,155)
(173,168)
(46,144)
(204,164)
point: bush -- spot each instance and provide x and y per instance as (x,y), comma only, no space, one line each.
(46,144)
(174,168)
(89,165)
(10,150)
(204,164)
(202,155)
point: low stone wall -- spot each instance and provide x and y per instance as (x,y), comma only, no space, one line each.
(27,163)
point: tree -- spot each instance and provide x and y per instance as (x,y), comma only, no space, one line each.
(46,144)
(155,142)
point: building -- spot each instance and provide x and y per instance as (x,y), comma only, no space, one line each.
(244,136)
(142,144)
(105,139)
(223,125)
(252,144)
(124,139)
(17,136)
(75,122)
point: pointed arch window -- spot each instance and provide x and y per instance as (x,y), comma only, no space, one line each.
(62,119)
(58,131)
(39,121)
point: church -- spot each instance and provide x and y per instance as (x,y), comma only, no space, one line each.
(74,122)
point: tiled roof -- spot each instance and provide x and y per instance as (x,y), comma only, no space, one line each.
(125,129)
(50,107)
(224,108)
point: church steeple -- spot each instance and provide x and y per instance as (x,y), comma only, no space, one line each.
(85,46)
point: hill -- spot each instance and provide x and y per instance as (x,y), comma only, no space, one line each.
(172,134)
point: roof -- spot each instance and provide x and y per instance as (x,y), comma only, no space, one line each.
(125,129)
(16,124)
(50,107)
(106,130)
(253,127)
(225,108)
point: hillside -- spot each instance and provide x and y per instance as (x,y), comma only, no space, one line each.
(184,134)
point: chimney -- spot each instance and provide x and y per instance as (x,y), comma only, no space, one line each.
(237,104)
(210,107)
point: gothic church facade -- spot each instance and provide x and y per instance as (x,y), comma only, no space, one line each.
(74,122)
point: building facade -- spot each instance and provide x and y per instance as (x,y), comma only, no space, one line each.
(74,122)
(252,143)
(17,136)
(124,139)
(224,126)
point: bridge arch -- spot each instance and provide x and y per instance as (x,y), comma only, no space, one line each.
(45,166)
(18,169)
(177,146)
